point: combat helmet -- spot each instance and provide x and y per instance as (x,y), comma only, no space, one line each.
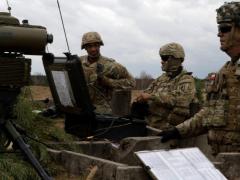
(91,37)
(172,49)
(229,12)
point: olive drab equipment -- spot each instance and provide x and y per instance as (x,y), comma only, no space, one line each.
(22,38)
(16,40)
(229,12)
(91,37)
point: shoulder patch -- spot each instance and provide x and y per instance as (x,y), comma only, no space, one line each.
(186,87)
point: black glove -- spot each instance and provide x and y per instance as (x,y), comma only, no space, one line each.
(139,110)
(99,70)
(168,134)
(101,78)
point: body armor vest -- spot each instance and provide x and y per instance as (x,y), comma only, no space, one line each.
(162,116)
(224,116)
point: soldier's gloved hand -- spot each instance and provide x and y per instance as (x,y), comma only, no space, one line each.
(168,134)
(104,81)
(139,110)
(99,70)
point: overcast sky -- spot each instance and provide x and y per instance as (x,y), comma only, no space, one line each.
(132,30)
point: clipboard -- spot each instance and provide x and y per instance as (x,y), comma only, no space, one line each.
(179,164)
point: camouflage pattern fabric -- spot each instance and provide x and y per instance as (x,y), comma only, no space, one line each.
(229,12)
(173,49)
(170,100)
(113,76)
(91,37)
(221,115)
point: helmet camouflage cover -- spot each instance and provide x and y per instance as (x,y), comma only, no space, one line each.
(91,37)
(172,49)
(229,12)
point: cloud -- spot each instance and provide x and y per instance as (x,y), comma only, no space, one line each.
(132,31)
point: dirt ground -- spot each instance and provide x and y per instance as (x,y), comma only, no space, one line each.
(40,92)
(43,92)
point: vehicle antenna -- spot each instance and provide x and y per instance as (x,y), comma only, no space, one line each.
(9,8)
(63,26)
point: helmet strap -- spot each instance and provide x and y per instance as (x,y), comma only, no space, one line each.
(172,65)
(173,74)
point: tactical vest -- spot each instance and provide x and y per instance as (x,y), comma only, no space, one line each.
(223,119)
(163,116)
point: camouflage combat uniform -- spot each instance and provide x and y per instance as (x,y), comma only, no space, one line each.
(220,117)
(115,76)
(170,99)
(221,114)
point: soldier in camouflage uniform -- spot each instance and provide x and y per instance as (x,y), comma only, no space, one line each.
(103,74)
(170,95)
(220,117)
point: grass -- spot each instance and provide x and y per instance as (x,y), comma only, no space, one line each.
(199,83)
(14,166)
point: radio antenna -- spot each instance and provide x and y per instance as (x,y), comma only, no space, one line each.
(65,34)
(9,8)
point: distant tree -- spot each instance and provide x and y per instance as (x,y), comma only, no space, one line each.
(39,79)
(199,83)
(38,74)
(144,80)
(144,75)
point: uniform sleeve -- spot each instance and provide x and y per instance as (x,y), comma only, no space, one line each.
(195,125)
(120,78)
(181,97)
(212,115)
(150,87)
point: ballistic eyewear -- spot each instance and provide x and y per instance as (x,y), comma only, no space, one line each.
(224,28)
(164,57)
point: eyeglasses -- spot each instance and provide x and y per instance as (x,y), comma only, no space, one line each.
(164,57)
(224,28)
(90,45)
